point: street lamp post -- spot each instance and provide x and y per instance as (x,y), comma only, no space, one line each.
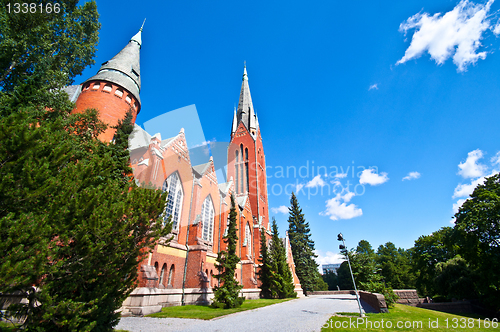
(343,247)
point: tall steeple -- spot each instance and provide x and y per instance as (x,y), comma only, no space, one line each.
(245,112)
(124,68)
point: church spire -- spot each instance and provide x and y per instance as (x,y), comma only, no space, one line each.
(245,112)
(124,68)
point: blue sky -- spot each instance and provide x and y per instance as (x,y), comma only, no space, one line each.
(408,88)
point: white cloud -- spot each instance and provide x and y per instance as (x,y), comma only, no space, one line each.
(458,204)
(369,176)
(496,29)
(457,33)
(336,209)
(471,168)
(299,186)
(317,181)
(347,197)
(328,257)
(464,190)
(412,176)
(495,160)
(343,175)
(282,209)
(373,87)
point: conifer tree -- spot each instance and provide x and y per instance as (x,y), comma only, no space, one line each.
(303,249)
(283,280)
(73,224)
(226,295)
(265,273)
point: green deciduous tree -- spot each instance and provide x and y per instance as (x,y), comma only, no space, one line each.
(303,249)
(429,250)
(226,295)
(41,53)
(331,280)
(366,271)
(395,265)
(477,234)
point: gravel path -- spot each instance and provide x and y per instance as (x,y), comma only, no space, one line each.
(304,314)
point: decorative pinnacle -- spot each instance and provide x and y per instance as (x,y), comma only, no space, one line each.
(142,25)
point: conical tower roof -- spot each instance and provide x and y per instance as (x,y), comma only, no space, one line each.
(245,112)
(124,68)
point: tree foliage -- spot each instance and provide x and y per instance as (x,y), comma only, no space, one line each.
(477,234)
(303,249)
(429,250)
(282,284)
(226,295)
(366,271)
(265,273)
(395,265)
(73,226)
(331,280)
(41,53)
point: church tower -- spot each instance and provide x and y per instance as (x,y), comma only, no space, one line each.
(115,88)
(246,160)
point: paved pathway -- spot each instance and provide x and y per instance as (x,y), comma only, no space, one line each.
(304,314)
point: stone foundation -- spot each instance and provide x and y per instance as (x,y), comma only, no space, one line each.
(144,301)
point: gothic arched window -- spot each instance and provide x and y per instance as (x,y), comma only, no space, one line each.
(248,239)
(207,215)
(236,171)
(171,275)
(162,275)
(174,200)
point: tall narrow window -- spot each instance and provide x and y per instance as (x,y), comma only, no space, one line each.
(246,170)
(237,179)
(243,189)
(174,200)
(242,178)
(162,275)
(171,275)
(207,215)
(248,239)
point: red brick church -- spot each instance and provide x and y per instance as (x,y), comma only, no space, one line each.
(182,272)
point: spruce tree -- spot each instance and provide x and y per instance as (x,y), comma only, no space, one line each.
(73,224)
(226,295)
(303,249)
(283,280)
(265,273)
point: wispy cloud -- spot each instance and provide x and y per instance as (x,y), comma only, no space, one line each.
(369,176)
(457,33)
(336,208)
(373,87)
(412,176)
(317,181)
(281,209)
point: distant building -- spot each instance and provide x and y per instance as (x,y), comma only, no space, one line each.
(330,267)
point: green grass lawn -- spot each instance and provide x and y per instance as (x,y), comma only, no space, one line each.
(206,312)
(406,318)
